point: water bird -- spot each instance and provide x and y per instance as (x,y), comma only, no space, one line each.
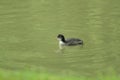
(68,42)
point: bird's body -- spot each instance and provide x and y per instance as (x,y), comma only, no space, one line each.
(69,41)
(73,41)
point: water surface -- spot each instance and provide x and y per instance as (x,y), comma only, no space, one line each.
(28,31)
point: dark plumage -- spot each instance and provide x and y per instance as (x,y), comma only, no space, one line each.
(69,41)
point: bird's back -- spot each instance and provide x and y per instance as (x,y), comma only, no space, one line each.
(73,41)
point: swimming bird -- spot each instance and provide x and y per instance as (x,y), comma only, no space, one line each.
(68,42)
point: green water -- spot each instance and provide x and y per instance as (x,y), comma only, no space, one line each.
(28,30)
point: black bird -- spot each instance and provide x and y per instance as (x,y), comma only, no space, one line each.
(68,42)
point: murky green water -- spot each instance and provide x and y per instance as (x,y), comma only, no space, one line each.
(28,30)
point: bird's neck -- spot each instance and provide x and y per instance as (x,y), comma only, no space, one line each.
(63,40)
